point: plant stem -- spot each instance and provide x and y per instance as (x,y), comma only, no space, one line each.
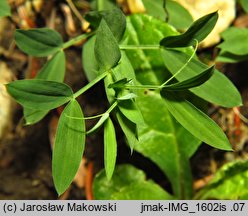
(77,39)
(90,84)
(100,5)
(143,47)
(181,69)
(112,107)
(141,87)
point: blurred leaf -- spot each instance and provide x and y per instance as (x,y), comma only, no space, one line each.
(211,90)
(114,18)
(4,8)
(110,148)
(127,182)
(53,70)
(161,139)
(229,182)
(40,94)
(38,42)
(199,30)
(244,4)
(234,44)
(104,4)
(230,58)
(191,82)
(175,12)
(107,52)
(69,146)
(195,121)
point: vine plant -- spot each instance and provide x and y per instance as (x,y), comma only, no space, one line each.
(107,57)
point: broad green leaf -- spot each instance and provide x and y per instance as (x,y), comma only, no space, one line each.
(68,147)
(38,42)
(104,117)
(147,190)
(114,18)
(175,12)
(244,4)
(213,90)
(110,148)
(53,70)
(4,8)
(107,52)
(40,94)
(235,41)
(195,121)
(130,109)
(191,82)
(230,182)
(199,30)
(230,58)
(161,139)
(127,176)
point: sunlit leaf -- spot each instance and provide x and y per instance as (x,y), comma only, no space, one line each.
(107,52)
(38,42)
(230,182)
(127,182)
(39,94)
(69,146)
(211,90)
(195,81)
(199,30)
(110,148)
(4,8)
(195,121)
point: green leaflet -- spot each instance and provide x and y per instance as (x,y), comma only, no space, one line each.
(195,121)
(68,147)
(199,30)
(127,182)
(195,81)
(38,42)
(230,182)
(4,8)
(232,49)
(175,12)
(102,4)
(114,18)
(110,148)
(127,96)
(107,52)
(211,90)
(40,94)
(53,70)
(129,129)
(130,109)
(161,139)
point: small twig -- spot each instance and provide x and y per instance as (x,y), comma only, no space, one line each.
(88,182)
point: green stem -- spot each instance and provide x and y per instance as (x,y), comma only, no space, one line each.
(181,69)
(90,84)
(143,47)
(100,5)
(141,87)
(77,39)
(112,107)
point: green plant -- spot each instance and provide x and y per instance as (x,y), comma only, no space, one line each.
(156,87)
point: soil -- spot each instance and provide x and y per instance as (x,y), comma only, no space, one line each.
(25,152)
